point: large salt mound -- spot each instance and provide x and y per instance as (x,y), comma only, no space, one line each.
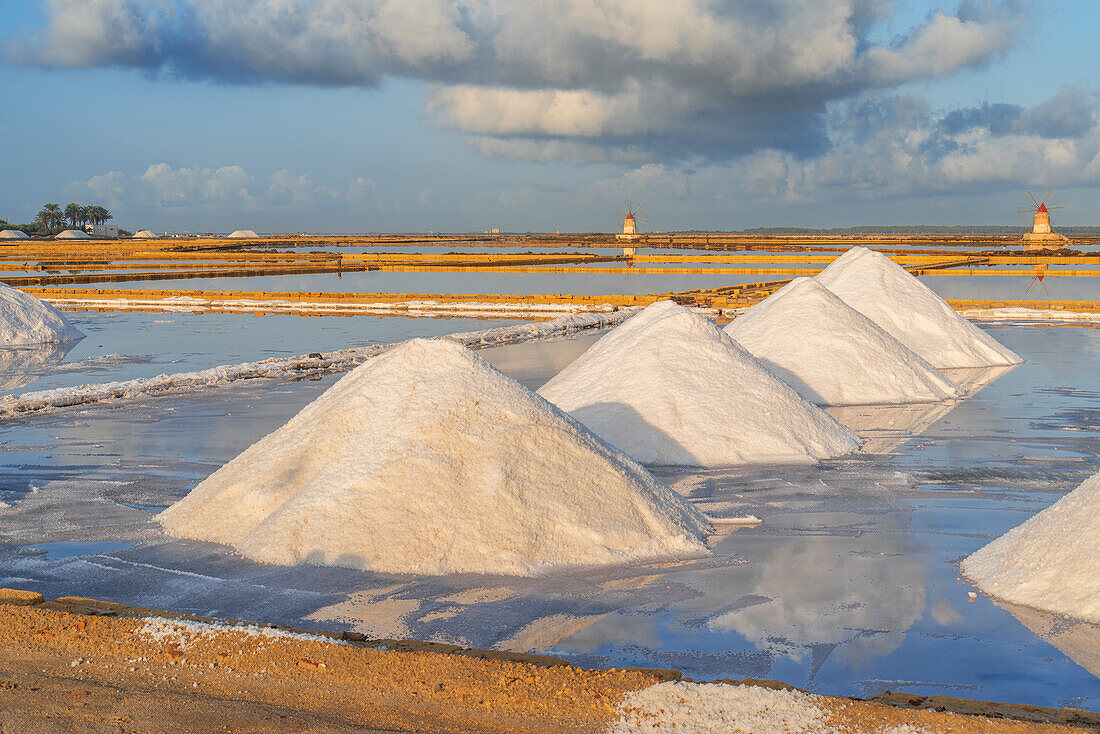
(1051,562)
(243,234)
(910,311)
(427,460)
(25,319)
(72,234)
(669,387)
(145,235)
(843,358)
(13,234)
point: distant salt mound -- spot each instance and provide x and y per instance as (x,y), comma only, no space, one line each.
(1051,562)
(427,460)
(145,235)
(908,310)
(25,320)
(13,234)
(832,354)
(669,387)
(72,234)
(243,234)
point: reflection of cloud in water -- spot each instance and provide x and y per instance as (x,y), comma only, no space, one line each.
(885,427)
(20,366)
(533,364)
(1079,641)
(825,592)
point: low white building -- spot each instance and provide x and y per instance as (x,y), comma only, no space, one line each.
(103,230)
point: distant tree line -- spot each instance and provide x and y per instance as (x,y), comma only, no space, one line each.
(52,219)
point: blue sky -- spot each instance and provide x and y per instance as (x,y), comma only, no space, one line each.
(448,115)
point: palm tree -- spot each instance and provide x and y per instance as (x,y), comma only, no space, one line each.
(43,220)
(84,216)
(54,214)
(72,212)
(98,215)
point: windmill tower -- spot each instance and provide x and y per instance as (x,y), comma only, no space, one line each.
(631,219)
(1041,236)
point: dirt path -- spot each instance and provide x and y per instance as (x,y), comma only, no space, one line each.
(76,665)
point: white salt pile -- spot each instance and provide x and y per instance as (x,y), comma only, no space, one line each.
(1051,562)
(700,708)
(832,354)
(243,234)
(910,311)
(25,320)
(145,234)
(72,234)
(669,387)
(13,234)
(427,460)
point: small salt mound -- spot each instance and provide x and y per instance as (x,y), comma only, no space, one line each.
(843,358)
(243,234)
(13,234)
(72,234)
(669,387)
(1051,562)
(427,460)
(25,319)
(145,235)
(910,311)
(702,708)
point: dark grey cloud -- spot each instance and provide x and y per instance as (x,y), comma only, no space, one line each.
(601,79)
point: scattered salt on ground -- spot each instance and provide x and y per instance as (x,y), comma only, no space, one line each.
(72,234)
(1028,314)
(427,460)
(26,320)
(832,354)
(275,368)
(187,304)
(669,387)
(697,708)
(243,234)
(910,311)
(1051,562)
(182,633)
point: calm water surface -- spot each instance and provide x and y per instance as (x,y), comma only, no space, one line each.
(848,586)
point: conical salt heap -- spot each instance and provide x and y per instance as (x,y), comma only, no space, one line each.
(832,354)
(669,387)
(1051,562)
(427,460)
(908,310)
(26,320)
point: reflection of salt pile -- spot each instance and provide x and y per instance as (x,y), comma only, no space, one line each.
(25,319)
(831,353)
(427,460)
(20,366)
(908,310)
(243,234)
(1052,561)
(669,387)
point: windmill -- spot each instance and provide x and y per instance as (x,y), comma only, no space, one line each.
(631,219)
(1041,236)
